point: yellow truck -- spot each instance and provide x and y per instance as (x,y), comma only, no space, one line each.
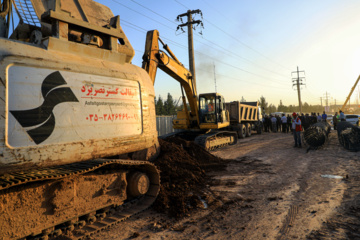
(245,117)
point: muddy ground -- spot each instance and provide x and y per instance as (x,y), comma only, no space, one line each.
(260,188)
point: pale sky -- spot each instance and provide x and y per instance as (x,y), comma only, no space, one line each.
(255,45)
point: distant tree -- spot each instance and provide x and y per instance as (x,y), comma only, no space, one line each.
(242,99)
(306,107)
(159,107)
(169,105)
(264,104)
(272,108)
(281,107)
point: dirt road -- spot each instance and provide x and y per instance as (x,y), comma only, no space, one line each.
(269,190)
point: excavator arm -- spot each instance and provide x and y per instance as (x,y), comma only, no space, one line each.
(155,58)
(351,91)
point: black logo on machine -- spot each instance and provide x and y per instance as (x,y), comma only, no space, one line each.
(42,118)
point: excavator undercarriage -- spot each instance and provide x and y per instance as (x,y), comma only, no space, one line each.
(76,200)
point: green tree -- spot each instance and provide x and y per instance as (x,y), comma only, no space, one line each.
(306,107)
(272,108)
(169,105)
(281,107)
(159,107)
(264,104)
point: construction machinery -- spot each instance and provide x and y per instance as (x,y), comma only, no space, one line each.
(77,122)
(245,117)
(206,118)
(344,108)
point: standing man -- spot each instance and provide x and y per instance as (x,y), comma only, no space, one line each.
(268,123)
(284,122)
(335,120)
(273,123)
(288,123)
(278,122)
(324,116)
(296,126)
(318,118)
(342,116)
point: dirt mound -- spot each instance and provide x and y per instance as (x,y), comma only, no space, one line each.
(183,167)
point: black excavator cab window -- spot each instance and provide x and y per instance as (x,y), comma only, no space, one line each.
(209,107)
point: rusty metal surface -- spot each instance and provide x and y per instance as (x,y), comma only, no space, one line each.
(84,10)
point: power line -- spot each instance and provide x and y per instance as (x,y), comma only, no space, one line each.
(223,15)
(141,13)
(198,52)
(242,80)
(240,57)
(236,39)
(153,11)
(243,70)
(196,40)
(182,4)
(229,77)
(134,25)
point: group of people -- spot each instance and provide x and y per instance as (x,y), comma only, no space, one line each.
(338,118)
(296,123)
(276,123)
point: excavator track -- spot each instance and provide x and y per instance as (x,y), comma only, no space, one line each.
(214,140)
(88,223)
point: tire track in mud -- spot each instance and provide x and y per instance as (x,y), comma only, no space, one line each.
(292,213)
(249,146)
(288,222)
(307,201)
(345,224)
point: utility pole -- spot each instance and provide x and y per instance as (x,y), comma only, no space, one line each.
(321,100)
(298,83)
(327,97)
(189,25)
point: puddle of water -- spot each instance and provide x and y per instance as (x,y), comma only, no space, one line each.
(332,176)
(204,202)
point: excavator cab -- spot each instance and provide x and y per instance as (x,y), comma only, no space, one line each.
(212,114)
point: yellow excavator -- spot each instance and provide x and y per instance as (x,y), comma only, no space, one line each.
(206,116)
(77,122)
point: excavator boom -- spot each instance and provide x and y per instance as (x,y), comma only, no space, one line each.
(155,58)
(351,92)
